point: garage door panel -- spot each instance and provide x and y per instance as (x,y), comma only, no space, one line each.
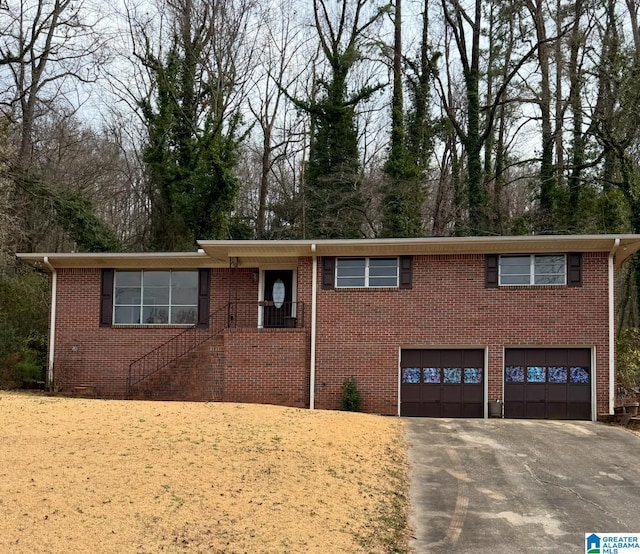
(412,409)
(557,393)
(551,383)
(471,394)
(470,409)
(451,393)
(536,393)
(431,393)
(514,410)
(535,410)
(579,394)
(514,392)
(451,409)
(411,393)
(556,410)
(577,410)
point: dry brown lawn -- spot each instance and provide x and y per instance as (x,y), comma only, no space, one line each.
(96,476)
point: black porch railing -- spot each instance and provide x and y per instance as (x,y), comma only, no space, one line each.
(266,314)
(231,315)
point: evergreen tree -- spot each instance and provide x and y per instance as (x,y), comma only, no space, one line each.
(404,193)
(192,145)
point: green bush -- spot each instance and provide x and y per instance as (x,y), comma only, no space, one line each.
(351,398)
(24,309)
(20,367)
(628,361)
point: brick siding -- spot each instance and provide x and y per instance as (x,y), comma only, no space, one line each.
(360,333)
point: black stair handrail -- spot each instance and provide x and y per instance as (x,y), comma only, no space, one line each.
(190,338)
(173,349)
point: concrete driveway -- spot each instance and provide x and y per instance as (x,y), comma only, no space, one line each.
(511,486)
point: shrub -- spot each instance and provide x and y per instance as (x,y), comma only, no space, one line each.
(351,397)
(24,309)
(20,367)
(628,361)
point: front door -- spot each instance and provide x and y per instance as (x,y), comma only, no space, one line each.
(278,309)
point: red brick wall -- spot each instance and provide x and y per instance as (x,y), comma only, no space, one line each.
(267,366)
(87,354)
(360,331)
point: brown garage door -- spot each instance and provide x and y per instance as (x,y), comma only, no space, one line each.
(548,383)
(442,383)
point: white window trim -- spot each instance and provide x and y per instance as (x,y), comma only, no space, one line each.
(367,260)
(142,305)
(532,269)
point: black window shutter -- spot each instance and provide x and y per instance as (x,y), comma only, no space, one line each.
(491,273)
(204,282)
(328,272)
(106,298)
(574,269)
(406,272)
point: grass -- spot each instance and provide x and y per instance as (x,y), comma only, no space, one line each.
(79,475)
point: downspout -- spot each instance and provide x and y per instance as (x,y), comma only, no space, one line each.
(312,361)
(612,326)
(52,324)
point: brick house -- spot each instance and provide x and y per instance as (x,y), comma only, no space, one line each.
(439,327)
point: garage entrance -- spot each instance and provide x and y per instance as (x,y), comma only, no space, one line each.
(547,383)
(442,383)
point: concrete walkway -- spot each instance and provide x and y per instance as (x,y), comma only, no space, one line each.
(515,486)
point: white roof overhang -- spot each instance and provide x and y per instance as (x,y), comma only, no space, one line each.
(256,253)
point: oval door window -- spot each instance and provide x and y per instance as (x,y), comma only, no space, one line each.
(278,293)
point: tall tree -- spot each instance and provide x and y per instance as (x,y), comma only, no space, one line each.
(48,48)
(403,196)
(192,122)
(333,202)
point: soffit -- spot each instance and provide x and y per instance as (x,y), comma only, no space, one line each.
(285,253)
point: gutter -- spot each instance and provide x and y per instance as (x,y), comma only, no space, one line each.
(312,361)
(612,326)
(52,324)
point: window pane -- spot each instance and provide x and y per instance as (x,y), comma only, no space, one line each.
(514,279)
(350,272)
(514,374)
(155,314)
(383,281)
(518,265)
(549,279)
(350,282)
(128,278)
(411,375)
(549,264)
(383,272)
(184,279)
(126,314)
(535,374)
(431,374)
(472,375)
(557,374)
(126,295)
(156,278)
(579,375)
(550,270)
(184,314)
(383,267)
(154,296)
(452,375)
